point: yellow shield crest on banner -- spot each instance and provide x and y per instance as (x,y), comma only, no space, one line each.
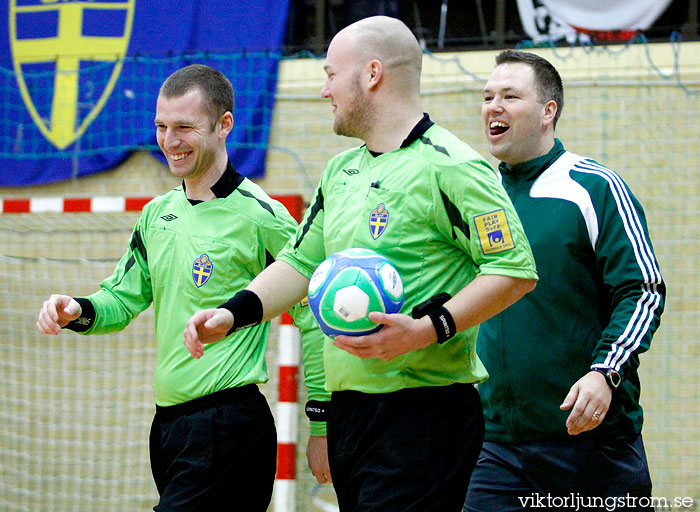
(66,48)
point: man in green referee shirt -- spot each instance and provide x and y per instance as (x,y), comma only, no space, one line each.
(405,423)
(213,441)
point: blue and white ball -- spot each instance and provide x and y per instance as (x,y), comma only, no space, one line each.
(348,286)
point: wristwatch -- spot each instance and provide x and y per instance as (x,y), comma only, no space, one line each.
(612,377)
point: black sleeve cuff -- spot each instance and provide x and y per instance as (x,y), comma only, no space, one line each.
(246,308)
(86,318)
(316,410)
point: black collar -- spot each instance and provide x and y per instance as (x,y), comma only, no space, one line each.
(227,183)
(418,130)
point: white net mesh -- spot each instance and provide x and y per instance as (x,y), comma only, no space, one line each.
(76,410)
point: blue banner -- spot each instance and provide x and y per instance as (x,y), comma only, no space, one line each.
(79,80)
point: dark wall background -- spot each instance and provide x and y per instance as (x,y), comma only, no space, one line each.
(472,24)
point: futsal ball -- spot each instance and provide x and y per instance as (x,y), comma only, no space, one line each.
(348,286)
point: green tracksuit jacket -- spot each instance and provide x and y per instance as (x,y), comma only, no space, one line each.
(597,303)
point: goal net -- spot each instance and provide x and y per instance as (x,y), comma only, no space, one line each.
(76,410)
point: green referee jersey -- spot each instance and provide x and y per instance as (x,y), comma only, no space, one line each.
(436,210)
(184,258)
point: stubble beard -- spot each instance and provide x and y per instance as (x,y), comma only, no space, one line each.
(358,119)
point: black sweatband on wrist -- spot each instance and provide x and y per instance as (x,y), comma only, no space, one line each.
(86,318)
(428,305)
(246,308)
(442,319)
(316,410)
(444,324)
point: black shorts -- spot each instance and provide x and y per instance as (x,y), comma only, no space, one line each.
(576,473)
(217,452)
(411,450)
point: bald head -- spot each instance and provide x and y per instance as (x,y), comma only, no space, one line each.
(389,41)
(373,69)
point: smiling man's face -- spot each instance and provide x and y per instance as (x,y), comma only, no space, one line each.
(513,116)
(185,134)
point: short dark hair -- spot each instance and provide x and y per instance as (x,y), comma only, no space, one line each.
(216,89)
(547,79)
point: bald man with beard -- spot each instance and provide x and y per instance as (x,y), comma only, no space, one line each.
(405,423)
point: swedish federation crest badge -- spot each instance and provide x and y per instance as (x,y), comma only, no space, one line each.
(60,39)
(201,270)
(378,220)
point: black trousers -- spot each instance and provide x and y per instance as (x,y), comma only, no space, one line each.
(217,452)
(593,474)
(411,450)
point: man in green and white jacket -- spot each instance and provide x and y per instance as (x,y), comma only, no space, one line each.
(561,405)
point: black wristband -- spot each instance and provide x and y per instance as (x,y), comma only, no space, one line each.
(444,324)
(86,318)
(246,308)
(442,319)
(316,410)
(434,302)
